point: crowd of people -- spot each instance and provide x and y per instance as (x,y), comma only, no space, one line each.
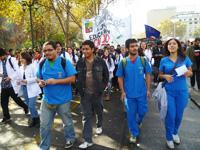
(53,72)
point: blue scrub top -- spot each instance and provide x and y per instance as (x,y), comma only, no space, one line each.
(134,77)
(178,83)
(59,93)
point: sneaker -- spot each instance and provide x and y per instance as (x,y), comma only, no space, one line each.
(133,139)
(85,145)
(176,139)
(170,144)
(5,120)
(99,130)
(69,144)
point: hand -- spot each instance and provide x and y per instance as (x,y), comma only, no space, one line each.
(188,74)
(149,94)
(7,79)
(42,83)
(24,82)
(123,95)
(169,78)
(51,81)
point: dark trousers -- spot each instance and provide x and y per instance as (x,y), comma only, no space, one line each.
(5,94)
(196,76)
(91,103)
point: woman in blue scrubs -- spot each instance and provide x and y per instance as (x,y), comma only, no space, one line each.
(176,88)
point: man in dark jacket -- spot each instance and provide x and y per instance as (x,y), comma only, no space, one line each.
(92,79)
(194,55)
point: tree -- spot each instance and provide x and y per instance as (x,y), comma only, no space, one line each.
(167,29)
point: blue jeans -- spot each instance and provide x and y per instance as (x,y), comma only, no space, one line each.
(30,102)
(177,101)
(46,120)
(136,109)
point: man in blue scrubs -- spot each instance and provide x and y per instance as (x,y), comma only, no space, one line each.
(56,81)
(134,82)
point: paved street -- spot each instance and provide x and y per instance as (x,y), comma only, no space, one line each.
(17,136)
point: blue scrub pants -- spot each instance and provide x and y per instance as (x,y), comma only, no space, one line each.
(136,109)
(177,101)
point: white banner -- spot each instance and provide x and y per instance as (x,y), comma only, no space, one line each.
(106,28)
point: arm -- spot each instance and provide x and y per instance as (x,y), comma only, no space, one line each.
(148,83)
(121,86)
(67,80)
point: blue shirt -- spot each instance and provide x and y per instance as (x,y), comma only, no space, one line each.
(134,77)
(178,83)
(58,93)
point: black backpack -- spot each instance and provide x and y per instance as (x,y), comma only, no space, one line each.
(10,62)
(63,64)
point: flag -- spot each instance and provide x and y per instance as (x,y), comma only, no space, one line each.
(150,31)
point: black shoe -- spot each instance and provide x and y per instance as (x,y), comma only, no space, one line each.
(26,111)
(5,120)
(69,144)
(35,122)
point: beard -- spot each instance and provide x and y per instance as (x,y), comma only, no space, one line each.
(133,53)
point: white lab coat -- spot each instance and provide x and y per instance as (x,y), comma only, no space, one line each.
(33,88)
(12,73)
(110,67)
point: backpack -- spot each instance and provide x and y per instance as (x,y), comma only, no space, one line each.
(11,64)
(63,64)
(143,60)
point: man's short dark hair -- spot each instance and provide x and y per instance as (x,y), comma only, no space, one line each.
(89,43)
(53,44)
(57,42)
(2,52)
(197,39)
(129,42)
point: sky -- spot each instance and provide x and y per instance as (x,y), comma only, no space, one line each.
(139,8)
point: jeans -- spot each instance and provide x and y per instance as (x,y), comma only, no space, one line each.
(5,94)
(46,120)
(196,74)
(30,102)
(91,103)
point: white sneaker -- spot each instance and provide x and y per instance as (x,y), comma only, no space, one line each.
(85,145)
(132,139)
(99,130)
(176,139)
(170,144)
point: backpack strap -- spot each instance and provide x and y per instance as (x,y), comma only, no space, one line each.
(40,66)
(123,65)
(11,64)
(63,63)
(143,60)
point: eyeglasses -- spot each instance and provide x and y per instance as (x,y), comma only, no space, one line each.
(47,50)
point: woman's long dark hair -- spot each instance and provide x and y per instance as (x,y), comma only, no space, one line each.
(181,55)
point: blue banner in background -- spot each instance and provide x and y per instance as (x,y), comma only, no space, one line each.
(150,31)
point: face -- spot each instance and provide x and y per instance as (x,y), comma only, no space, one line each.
(58,48)
(69,50)
(87,51)
(112,49)
(143,45)
(22,60)
(172,46)
(106,53)
(2,57)
(50,52)
(197,42)
(133,48)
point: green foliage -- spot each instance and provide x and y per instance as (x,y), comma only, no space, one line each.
(167,28)
(196,33)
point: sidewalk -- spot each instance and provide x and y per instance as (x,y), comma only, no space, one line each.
(195,97)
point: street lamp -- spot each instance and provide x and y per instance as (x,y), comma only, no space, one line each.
(30,5)
(174,20)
